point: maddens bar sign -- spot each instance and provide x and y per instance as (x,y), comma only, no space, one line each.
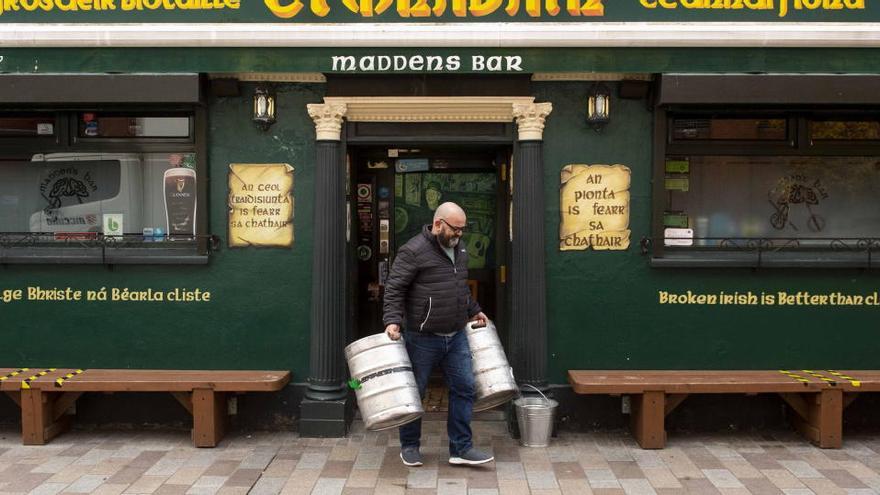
(192,11)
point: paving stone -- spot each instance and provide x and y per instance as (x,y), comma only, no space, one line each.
(513,487)
(542,480)
(362,478)
(637,487)
(301,481)
(661,477)
(243,477)
(568,470)
(186,475)
(761,486)
(54,464)
(268,486)
(147,484)
(482,491)
(126,476)
(722,478)
(86,484)
(171,490)
(448,486)
(575,487)
(422,478)
(823,486)
(782,479)
(801,469)
(110,489)
(48,489)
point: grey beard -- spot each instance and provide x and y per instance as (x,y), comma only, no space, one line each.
(449,242)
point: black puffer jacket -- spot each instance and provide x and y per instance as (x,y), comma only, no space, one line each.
(425,291)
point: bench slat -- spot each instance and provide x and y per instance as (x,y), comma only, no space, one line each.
(126,380)
(690,381)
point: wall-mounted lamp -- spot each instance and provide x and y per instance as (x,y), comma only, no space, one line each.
(264,108)
(599,106)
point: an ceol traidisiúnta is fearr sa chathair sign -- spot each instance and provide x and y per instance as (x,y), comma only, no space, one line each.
(260,205)
(451,11)
(594,203)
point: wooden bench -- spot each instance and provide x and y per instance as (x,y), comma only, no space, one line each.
(817,397)
(45,395)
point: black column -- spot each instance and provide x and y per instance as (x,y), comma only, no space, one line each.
(324,411)
(528,329)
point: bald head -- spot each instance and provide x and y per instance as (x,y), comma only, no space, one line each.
(448,210)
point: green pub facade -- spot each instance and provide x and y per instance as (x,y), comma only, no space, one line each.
(650,184)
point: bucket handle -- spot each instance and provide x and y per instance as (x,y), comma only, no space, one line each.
(536,390)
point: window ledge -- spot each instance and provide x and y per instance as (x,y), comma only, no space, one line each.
(765,259)
(78,255)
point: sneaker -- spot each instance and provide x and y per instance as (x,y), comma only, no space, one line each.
(411,456)
(472,457)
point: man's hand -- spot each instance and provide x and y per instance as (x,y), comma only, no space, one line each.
(393,331)
(480,320)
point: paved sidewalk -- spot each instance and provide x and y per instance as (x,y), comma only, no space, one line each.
(367,463)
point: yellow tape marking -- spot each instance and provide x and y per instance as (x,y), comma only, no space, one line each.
(820,376)
(14,373)
(853,381)
(59,382)
(794,376)
(26,383)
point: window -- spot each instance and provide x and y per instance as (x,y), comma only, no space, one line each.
(116,188)
(795,189)
(734,129)
(27,126)
(96,125)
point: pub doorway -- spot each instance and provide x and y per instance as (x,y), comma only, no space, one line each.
(392,197)
(393,192)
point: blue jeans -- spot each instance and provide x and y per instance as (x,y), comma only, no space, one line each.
(427,350)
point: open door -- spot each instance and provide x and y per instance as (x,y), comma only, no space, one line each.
(394,194)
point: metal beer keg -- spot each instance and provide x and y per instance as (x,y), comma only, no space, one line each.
(383,381)
(493,377)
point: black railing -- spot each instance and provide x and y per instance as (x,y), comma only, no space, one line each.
(96,247)
(856,251)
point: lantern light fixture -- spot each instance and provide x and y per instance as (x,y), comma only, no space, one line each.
(264,108)
(599,106)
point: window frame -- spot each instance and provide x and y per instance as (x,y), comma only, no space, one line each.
(66,140)
(864,253)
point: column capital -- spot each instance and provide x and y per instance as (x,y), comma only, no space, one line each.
(530,119)
(328,120)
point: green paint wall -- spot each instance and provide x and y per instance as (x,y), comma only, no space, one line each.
(258,316)
(603,310)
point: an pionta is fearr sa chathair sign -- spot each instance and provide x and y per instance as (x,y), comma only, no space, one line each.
(249,11)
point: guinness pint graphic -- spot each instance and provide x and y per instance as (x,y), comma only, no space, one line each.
(180,201)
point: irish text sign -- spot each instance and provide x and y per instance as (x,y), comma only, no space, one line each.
(594,203)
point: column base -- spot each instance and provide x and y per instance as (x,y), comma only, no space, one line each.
(325,418)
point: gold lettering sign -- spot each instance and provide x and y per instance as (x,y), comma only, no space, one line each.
(260,205)
(594,204)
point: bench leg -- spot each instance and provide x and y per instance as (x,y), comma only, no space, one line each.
(819,416)
(209,417)
(647,418)
(40,421)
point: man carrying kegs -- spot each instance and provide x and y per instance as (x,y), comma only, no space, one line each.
(427,297)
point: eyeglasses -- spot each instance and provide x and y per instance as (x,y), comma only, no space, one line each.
(455,230)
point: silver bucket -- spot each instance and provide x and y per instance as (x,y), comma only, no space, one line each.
(493,377)
(384,384)
(535,417)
